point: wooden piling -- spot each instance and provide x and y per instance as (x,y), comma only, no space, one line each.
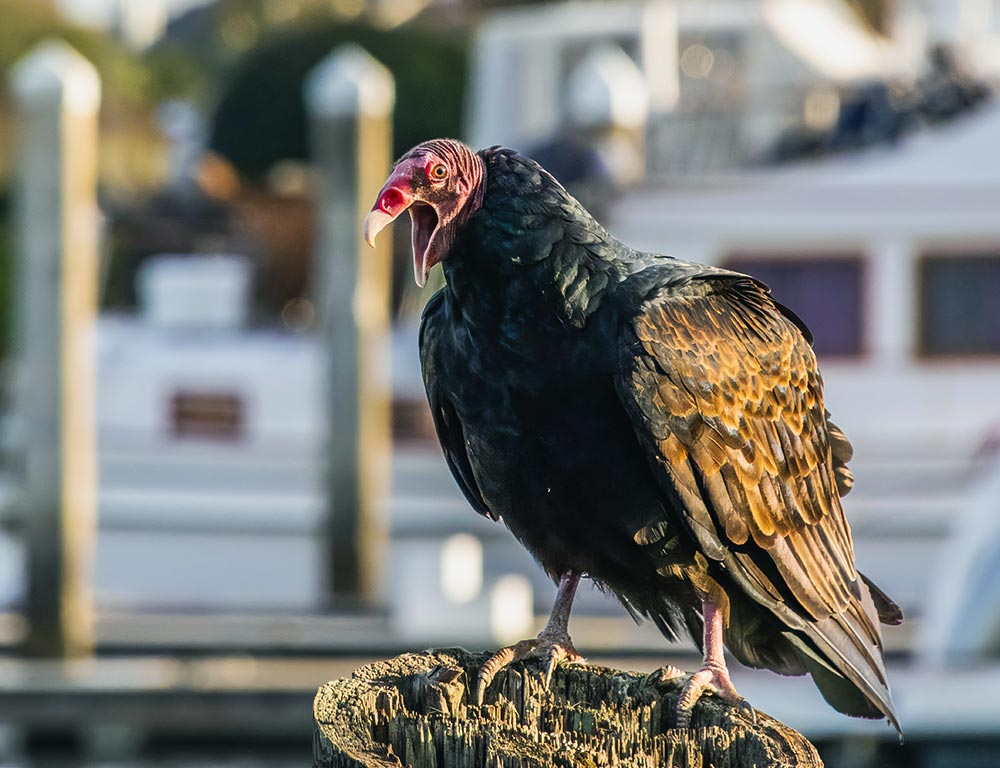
(58,95)
(417,710)
(349,97)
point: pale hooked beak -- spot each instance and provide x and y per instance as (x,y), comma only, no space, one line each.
(394,198)
(397,196)
(375,222)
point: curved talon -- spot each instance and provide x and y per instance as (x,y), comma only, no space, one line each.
(669,672)
(747,710)
(551,645)
(709,679)
(713,676)
(557,651)
(493,664)
(550,667)
(551,651)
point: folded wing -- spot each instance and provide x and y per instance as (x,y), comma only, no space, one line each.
(724,392)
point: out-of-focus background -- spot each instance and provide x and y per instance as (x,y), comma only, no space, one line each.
(219,486)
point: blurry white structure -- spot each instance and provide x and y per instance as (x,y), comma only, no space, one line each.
(607,88)
(511,610)
(827,37)
(523,61)
(751,69)
(209,460)
(437,593)
(970,26)
(722,78)
(140,23)
(461,568)
(962,622)
(893,258)
(199,293)
(608,99)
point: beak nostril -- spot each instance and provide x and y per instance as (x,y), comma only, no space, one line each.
(391,200)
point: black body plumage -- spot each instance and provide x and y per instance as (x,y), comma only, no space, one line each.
(656,424)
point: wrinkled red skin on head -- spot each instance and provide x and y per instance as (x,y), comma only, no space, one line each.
(411,182)
(437,205)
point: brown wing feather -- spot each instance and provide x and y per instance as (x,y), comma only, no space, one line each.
(724,390)
(735,395)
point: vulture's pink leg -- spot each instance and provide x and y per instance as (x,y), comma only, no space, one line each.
(551,646)
(713,675)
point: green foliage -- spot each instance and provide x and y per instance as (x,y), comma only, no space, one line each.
(27,23)
(172,74)
(127,78)
(260,118)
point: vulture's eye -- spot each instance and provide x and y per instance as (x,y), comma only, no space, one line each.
(438,171)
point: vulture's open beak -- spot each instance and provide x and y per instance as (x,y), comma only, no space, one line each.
(394,198)
(375,222)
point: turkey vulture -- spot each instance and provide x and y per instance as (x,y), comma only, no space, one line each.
(651,423)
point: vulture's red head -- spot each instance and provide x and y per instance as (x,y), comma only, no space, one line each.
(441,183)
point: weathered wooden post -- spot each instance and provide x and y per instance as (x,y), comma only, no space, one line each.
(419,710)
(58,94)
(349,97)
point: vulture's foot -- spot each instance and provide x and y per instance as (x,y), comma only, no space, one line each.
(549,648)
(713,675)
(712,678)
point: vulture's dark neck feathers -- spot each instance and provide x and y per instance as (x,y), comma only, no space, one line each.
(531,240)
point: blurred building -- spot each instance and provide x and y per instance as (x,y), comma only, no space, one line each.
(970,26)
(727,81)
(722,79)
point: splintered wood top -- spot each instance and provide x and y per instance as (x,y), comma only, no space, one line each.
(417,710)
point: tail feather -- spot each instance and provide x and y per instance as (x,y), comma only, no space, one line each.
(888,611)
(842,651)
(840,657)
(840,693)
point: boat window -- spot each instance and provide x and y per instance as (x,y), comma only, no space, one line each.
(824,290)
(959,304)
